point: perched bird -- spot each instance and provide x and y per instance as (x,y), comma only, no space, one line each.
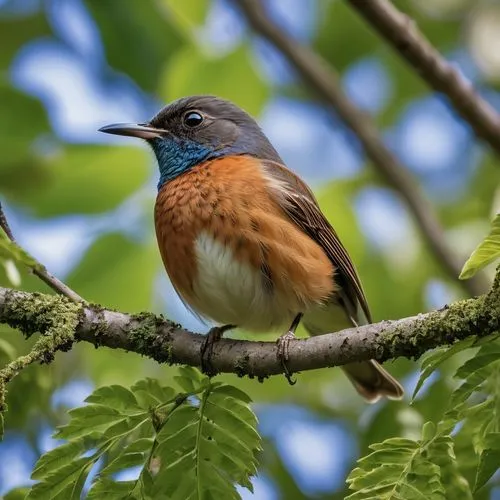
(243,239)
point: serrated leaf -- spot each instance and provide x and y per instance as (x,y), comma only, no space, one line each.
(139,445)
(57,458)
(433,359)
(150,393)
(105,487)
(132,455)
(88,420)
(487,251)
(185,383)
(396,469)
(189,379)
(115,396)
(124,461)
(441,452)
(234,392)
(212,447)
(17,494)
(60,481)
(489,460)
(481,360)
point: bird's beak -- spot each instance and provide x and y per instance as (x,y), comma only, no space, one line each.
(143,131)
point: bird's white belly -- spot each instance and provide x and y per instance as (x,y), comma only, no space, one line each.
(232,292)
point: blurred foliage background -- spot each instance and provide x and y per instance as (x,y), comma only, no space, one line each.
(81,202)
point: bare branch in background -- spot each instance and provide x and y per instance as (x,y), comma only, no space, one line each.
(324,80)
(5,225)
(40,270)
(401,32)
(166,342)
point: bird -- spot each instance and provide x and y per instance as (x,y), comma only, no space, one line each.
(243,238)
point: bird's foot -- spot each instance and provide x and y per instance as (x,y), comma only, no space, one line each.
(282,353)
(207,348)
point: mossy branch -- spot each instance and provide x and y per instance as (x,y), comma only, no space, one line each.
(167,342)
(57,320)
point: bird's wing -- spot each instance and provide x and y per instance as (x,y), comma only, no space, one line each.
(299,203)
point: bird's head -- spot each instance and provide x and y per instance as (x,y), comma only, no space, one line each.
(196,129)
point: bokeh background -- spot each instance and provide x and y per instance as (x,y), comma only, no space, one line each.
(81,201)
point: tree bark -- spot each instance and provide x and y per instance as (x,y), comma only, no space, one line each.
(167,342)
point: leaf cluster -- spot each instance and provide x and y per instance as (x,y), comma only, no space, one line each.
(192,442)
(407,469)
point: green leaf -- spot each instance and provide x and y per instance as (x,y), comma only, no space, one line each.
(86,179)
(58,457)
(17,494)
(115,396)
(150,393)
(489,460)
(233,392)
(396,469)
(11,250)
(190,72)
(203,446)
(132,455)
(486,252)
(189,379)
(211,445)
(112,490)
(441,452)
(2,429)
(62,480)
(433,359)
(124,461)
(89,420)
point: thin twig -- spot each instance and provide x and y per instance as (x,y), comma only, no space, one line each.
(166,342)
(56,284)
(324,80)
(39,269)
(402,33)
(5,225)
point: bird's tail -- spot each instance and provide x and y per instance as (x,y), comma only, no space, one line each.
(372,381)
(368,377)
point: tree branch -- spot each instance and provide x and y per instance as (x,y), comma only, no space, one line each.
(401,32)
(39,269)
(167,342)
(324,80)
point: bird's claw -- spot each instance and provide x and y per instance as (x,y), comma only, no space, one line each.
(282,353)
(207,348)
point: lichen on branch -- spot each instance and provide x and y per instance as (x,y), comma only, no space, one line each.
(63,322)
(54,317)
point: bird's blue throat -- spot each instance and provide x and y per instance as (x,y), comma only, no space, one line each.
(176,156)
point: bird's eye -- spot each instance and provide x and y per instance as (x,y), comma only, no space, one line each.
(192,119)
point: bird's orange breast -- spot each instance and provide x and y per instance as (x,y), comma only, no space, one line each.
(228,199)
